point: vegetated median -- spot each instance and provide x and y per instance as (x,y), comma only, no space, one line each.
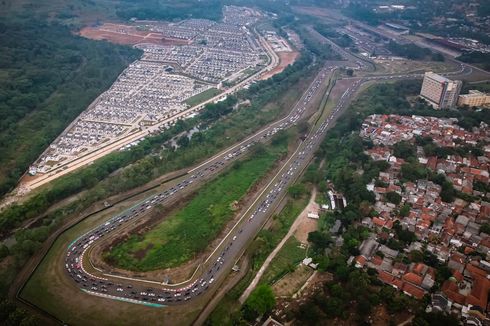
(189,231)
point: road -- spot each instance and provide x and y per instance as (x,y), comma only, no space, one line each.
(149,291)
(276,250)
(217,265)
(220,261)
(157,293)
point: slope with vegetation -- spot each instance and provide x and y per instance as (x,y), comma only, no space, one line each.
(47,77)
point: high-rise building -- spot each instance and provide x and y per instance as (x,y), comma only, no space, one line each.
(474,98)
(440,92)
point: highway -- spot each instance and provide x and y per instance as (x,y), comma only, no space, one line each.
(220,261)
(156,293)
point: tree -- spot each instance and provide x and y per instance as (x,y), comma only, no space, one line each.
(485,228)
(319,240)
(416,256)
(422,141)
(4,251)
(404,150)
(443,273)
(434,319)
(297,190)
(183,141)
(309,314)
(405,210)
(260,301)
(393,197)
(413,171)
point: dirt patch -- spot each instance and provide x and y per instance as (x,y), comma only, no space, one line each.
(126,34)
(285,59)
(306,224)
(292,282)
(140,254)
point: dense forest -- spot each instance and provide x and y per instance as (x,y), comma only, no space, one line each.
(168,10)
(477,58)
(414,52)
(47,77)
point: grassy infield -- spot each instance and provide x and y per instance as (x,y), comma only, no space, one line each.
(188,231)
(205,215)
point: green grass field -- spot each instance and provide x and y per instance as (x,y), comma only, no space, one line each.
(187,232)
(201,97)
(285,261)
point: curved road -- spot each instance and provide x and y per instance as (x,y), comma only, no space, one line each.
(159,294)
(156,293)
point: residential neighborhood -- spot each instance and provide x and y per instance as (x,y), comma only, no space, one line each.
(419,232)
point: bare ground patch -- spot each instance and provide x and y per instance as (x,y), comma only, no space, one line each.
(292,282)
(285,59)
(126,34)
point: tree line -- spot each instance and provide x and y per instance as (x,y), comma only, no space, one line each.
(49,76)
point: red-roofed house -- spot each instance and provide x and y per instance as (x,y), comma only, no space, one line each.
(413,291)
(412,278)
(360,261)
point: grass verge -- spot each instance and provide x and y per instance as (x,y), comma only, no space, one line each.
(286,260)
(201,97)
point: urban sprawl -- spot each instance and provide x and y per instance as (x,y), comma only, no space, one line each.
(450,232)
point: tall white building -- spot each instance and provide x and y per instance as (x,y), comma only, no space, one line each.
(440,92)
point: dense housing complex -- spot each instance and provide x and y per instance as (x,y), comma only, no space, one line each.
(448,230)
(154,89)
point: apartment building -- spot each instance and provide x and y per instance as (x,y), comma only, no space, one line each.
(439,91)
(474,98)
